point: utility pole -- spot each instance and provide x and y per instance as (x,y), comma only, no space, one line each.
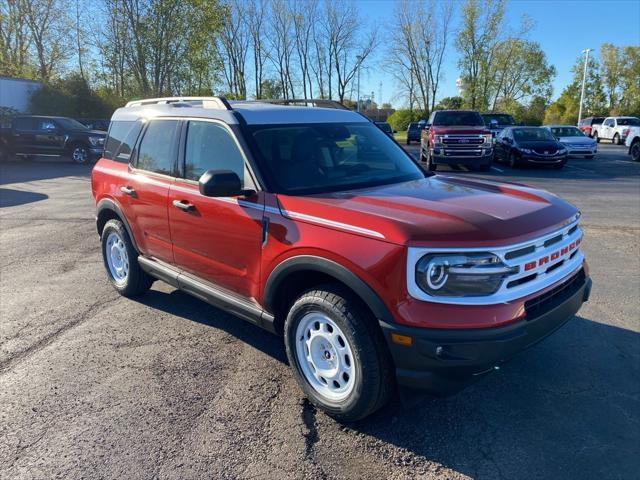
(584,80)
(359,60)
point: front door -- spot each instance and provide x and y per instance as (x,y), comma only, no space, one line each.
(218,239)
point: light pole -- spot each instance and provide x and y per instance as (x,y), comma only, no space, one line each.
(584,80)
(359,60)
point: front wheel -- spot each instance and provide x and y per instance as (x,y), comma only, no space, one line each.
(80,154)
(635,151)
(513,160)
(338,354)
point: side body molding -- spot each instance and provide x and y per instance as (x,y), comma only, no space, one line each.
(328,267)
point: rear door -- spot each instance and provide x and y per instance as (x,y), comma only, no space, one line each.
(23,133)
(145,189)
(219,239)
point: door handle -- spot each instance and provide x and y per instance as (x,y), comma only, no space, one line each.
(184,206)
(128,191)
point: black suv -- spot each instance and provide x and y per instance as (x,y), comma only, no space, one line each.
(413,133)
(51,136)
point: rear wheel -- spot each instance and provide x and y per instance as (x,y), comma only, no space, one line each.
(596,137)
(635,151)
(616,139)
(338,354)
(121,261)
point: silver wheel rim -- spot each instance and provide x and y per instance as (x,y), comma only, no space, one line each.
(325,356)
(79,155)
(635,151)
(117,258)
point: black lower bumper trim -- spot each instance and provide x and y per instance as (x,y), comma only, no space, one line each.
(443,362)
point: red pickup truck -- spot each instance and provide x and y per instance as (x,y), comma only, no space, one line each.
(315,225)
(456,137)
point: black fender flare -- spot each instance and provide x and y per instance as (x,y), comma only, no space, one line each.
(108,204)
(328,267)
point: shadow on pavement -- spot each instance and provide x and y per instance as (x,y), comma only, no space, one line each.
(11,198)
(566,408)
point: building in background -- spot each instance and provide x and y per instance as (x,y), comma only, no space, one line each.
(16,92)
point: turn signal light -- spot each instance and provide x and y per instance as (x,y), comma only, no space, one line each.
(404,340)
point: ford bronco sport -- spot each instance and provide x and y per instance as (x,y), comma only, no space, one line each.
(313,224)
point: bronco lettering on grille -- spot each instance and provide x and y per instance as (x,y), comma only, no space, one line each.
(553,256)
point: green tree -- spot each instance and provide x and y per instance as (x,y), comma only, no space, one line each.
(71,97)
(400,119)
(611,65)
(630,80)
(450,103)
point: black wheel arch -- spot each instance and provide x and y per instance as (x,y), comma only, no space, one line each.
(316,269)
(107,210)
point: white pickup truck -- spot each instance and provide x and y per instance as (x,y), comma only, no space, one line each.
(633,142)
(614,129)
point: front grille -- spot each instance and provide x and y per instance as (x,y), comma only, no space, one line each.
(549,300)
(462,140)
(545,151)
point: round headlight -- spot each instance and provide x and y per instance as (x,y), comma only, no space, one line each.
(436,273)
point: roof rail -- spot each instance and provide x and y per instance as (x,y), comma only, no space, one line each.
(308,102)
(207,102)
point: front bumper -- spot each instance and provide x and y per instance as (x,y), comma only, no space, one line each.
(442,362)
(451,156)
(533,159)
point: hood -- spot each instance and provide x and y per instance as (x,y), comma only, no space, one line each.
(438,211)
(551,145)
(577,140)
(443,129)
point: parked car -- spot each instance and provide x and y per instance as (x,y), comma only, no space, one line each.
(586,124)
(496,122)
(519,146)
(386,128)
(28,136)
(315,225)
(576,142)
(615,129)
(456,137)
(95,123)
(633,142)
(413,133)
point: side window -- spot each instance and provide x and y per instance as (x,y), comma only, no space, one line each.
(24,124)
(46,125)
(121,139)
(156,152)
(210,146)
(609,123)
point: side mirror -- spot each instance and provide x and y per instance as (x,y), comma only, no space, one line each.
(220,183)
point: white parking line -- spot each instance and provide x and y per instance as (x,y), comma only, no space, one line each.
(497,169)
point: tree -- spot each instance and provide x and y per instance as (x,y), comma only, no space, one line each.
(70,96)
(281,45)
(630,80)
(418,44)
(400,119)
(255,14)
(477,42)
(15,39)
(611,65)
(233,45)
(450,103)
(521,72)
(304,18)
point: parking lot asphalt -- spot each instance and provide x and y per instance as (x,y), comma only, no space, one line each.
(93,385)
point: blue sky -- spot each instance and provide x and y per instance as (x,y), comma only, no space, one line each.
(562,27)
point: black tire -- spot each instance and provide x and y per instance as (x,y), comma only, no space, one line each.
(426,159)
(137,281)
(560,166)
(616,139)
(485,167)
(408,142)
(80,154)
(596,137)
(513,161)
(635,151)
(373,374)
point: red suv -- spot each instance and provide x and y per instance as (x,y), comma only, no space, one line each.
(456,137)
(315,225)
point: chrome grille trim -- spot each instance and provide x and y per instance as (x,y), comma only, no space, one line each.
(542,275)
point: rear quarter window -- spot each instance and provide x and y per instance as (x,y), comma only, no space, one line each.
(121,138)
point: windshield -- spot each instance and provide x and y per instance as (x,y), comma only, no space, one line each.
(532,134)
(326,157)
(566,132)
(70,124)
(629,121)
(458,118)
(501,119)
